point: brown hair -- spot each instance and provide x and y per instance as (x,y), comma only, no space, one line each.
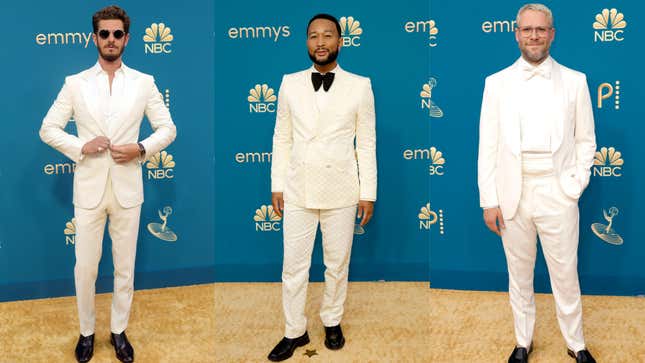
(109,13)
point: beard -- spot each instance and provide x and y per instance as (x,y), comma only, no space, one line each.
(535,56)
(331,57)
(110,57)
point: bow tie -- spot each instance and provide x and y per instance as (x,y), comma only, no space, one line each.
(530,72)
(325,80)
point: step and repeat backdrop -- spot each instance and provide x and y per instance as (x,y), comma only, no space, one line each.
(601,39)
(47,41)
(218,66)
(257,43)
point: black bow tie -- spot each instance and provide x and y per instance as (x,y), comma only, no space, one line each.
(325,80)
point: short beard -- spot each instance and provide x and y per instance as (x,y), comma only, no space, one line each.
(110,57)
(331,57)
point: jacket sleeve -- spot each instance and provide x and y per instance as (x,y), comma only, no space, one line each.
(282,140)
(366,144)
(488,144)
(52,131)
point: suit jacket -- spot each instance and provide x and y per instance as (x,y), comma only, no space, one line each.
(78,99)
(325,159)
(573,142)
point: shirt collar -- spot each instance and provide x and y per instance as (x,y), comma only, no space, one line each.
(545,67)
(97,69)
(335,70)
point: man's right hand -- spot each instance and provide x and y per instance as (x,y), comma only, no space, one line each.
(277,201)
(97,145)
(494,220)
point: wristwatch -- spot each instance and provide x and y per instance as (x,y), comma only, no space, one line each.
(142,150)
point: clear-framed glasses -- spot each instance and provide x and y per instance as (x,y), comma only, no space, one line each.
(527,31)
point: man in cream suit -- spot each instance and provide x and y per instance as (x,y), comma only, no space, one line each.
(107,102)
(536,148)
(323,170)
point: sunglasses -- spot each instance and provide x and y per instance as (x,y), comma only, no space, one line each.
(104,34)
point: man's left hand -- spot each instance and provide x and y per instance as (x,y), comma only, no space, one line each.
(365,211)
(124,153)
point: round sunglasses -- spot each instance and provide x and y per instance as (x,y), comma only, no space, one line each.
(104,33)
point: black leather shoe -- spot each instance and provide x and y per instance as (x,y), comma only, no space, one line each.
(84,348)
(334,339)
(284,349)
(122,347)
(582,356)
(520,355)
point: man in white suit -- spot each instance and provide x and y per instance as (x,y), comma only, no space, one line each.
(323,170)
(536,148)
(107,102)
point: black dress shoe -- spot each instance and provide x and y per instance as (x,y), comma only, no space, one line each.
(284,349)
(582,356)
(122,347)
(334,339)
(84,348)
(519,355)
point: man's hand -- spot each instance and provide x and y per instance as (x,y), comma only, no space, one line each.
(494,220)
(124,153)
(97,145)
(365,211)
(277,201)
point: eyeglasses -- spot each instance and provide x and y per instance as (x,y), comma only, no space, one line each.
(527,31)
(104,33)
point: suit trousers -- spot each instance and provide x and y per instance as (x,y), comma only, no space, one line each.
(299,227)
(123,227)
(546,211)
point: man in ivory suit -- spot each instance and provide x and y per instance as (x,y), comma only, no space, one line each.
(107,102)
(323,171)
(536,148)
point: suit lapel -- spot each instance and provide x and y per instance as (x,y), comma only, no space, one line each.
(512,121)
(559,108)
(90,91)
(307,98)
(126,101)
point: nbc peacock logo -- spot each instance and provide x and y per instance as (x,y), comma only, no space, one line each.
(266,219)
(261,99)
(161,166)
(433,34)
(608,162)
(70,232)
(437,162)
(609,26)
(428,217)
(426,99)
(350,31)
(158,39)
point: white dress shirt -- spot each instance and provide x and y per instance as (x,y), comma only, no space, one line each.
(322,96)
(536,119)
(109,100)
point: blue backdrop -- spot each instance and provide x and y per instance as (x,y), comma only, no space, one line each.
(215,177)
(589,38)
(49,41)
(255,44)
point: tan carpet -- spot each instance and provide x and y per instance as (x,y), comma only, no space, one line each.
(478,326)
(166,325)
(383,322)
